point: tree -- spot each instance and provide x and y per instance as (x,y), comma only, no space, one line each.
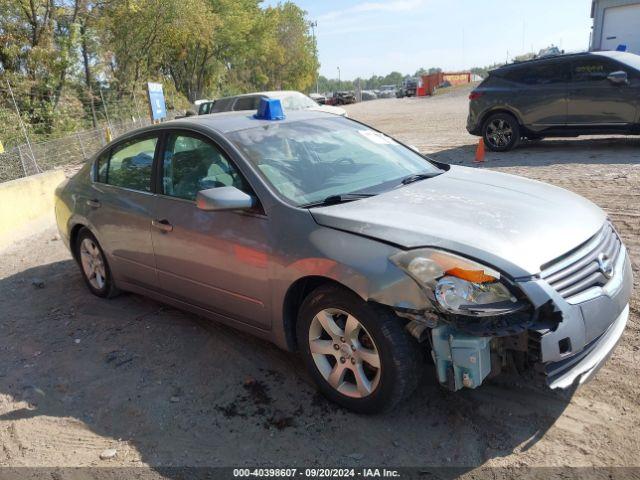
(63,56)
(290,62)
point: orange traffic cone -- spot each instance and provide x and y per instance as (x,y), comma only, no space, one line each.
(480,152)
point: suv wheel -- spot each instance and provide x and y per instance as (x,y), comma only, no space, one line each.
(94,266)
(359,355)
(501,132)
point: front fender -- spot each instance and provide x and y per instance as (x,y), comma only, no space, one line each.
(360,264)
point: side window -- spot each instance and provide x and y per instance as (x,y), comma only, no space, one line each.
(222,105)
(593,69)
(541,74)
(205,108)
(191,164)
(247,103)
(129,165)
(514,74)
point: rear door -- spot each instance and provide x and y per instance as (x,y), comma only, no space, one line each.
(596,101)
(213,260)
(539,92)
(121,208)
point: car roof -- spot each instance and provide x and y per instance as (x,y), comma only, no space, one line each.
(614,54)
(617,55)
(227,122)
(545,58)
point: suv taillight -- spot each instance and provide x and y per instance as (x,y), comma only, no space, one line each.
(475,95)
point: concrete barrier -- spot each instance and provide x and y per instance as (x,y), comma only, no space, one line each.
(26,205)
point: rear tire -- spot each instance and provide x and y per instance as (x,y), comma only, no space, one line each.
(501,132)
(94,266)
(363,359)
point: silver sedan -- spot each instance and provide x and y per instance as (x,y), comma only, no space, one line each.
(328,237)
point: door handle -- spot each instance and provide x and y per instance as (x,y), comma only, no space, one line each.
(93,203)
(162,225)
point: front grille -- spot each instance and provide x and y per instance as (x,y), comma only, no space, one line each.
(580,269)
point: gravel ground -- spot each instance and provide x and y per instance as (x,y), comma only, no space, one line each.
(80,375)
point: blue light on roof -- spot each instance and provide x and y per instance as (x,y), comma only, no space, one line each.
(270,109)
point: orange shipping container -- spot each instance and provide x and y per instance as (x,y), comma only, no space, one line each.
(457,78)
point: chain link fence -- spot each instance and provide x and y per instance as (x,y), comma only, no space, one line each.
(41,132)
(67,152)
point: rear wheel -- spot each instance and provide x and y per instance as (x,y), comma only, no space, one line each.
(501,132)
(93,265)
(359,354)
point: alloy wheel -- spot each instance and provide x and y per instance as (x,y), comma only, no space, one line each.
(344,353)
(499,133)
(93,264)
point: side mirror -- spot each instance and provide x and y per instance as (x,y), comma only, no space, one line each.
(618,78)
(223,198)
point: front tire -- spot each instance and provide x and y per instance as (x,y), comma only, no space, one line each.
(94,266)
(501,132)
(359,354)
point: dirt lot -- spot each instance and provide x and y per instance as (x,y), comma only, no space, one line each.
(79,375)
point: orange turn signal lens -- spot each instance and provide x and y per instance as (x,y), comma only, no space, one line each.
(474,276)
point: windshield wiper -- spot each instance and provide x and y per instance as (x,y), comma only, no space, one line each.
(335,199)
(416,177)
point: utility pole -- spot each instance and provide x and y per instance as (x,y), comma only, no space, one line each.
(463,48)
(109,133)
(339,82)
(104,106)
(313,26)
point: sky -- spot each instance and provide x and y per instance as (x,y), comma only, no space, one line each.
(366,37)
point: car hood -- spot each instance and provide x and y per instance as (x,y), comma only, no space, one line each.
(330,109)
(512,223)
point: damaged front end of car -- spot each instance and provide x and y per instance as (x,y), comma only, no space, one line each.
(481,322)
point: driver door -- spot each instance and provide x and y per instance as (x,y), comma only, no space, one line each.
(213,260)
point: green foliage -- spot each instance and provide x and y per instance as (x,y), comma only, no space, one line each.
(59,55)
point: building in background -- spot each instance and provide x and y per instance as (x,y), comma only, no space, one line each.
(615,23)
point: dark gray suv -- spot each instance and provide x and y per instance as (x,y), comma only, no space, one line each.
(560,96)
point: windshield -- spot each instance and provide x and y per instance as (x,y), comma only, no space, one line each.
(308,161)
(296,101)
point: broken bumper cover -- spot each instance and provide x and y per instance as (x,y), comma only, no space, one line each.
(583,365)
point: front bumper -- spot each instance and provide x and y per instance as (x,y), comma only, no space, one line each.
(580,367)
(592,323)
